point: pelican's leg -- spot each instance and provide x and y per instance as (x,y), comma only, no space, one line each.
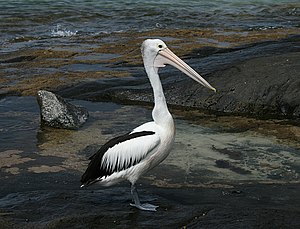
(137,203)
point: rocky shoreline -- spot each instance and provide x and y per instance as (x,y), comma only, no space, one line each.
(256,74)
(261,80)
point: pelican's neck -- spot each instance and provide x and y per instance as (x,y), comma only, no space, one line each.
(160,113)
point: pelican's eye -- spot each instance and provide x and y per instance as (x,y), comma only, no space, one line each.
(160,46)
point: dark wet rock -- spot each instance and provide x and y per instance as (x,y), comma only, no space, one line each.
(266,86)
(260,87)
(56,112)
(18,59)
(244,206)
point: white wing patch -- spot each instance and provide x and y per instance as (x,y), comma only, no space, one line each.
(127,153)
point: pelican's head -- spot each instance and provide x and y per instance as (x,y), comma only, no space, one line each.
(156,54)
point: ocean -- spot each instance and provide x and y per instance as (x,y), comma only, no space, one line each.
(26,23)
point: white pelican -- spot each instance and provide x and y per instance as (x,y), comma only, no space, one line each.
(129,156)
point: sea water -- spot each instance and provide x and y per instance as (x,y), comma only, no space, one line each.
(34,21)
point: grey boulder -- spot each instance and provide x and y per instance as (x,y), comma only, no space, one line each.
(57,113)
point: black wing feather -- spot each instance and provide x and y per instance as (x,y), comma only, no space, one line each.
(95,170)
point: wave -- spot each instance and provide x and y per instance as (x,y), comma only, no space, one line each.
(61,31)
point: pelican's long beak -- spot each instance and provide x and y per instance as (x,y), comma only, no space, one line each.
(166,56)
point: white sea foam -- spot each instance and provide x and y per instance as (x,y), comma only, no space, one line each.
(60,31)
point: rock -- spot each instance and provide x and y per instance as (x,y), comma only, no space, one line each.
(261,87)
(56,112)
(265,87)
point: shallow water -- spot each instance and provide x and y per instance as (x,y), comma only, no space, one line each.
(202,153)
(41,169)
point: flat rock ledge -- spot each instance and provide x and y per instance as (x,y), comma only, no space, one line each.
(57,113)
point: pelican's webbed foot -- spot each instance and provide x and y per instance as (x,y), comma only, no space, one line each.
(137,203)
(145,207)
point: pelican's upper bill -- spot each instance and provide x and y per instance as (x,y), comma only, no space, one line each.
(156,53)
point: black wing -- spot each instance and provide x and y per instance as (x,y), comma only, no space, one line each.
(95,169)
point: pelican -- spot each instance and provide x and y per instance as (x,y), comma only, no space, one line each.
(129,156)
